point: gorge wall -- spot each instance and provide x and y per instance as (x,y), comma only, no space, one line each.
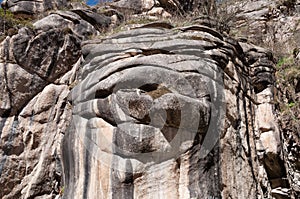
(154,111)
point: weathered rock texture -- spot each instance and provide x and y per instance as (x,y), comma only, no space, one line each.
(83,23)
(180,113)
(37,69)
(273,24)
(153,112)
(33,110)
(34,7)
(176,7)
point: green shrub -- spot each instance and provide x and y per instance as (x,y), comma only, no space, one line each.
(291,104)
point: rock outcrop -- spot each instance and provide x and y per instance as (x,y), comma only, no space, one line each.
(156,111)
(168,7)
(34,7)
(273,24)
(34,113)
(37,70)
(84,23)
(159,112)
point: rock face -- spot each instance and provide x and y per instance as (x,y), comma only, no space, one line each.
(159,113)
(33,110)
(152,112)
(37,70)
(274,24)
(83,23)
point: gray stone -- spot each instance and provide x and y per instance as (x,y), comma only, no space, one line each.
(153,112)
(34,7)
(151,107)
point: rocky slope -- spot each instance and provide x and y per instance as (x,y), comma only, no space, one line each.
(156,111)
(272,24)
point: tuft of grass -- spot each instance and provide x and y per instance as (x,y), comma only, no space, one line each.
(61,191)
(285,61)
(291,104)
(140,20)
(288,70)
(287,75)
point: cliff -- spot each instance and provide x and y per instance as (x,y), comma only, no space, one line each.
(116,102)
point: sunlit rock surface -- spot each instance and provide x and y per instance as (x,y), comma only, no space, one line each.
(152,112)
(173,113)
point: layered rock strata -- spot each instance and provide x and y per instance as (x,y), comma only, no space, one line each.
(153,112)
(173,113)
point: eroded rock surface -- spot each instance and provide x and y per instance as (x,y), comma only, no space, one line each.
(153,112)
(273,24)
(34,7)
(37,70)
(174,113)
(31,61)
(83,23)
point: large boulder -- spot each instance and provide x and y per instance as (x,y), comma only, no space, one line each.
(84,23)
(32,60)
(34,7)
